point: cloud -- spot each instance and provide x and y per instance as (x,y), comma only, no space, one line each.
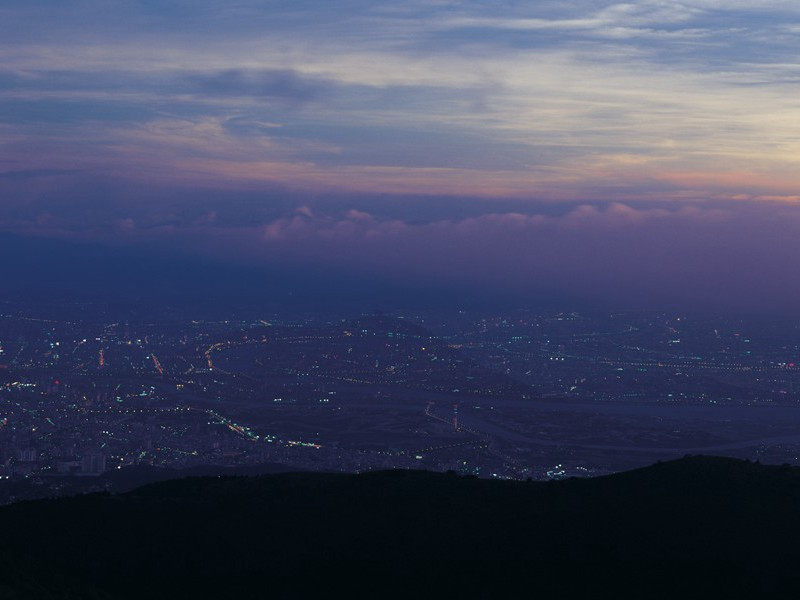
(689,256)
(26,174)
(552,99)
(270,84)
(731,254)
(644,145)
(355,224)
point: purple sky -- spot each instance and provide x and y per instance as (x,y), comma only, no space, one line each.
(642,153)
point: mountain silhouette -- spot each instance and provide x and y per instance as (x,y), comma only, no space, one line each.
(695,527)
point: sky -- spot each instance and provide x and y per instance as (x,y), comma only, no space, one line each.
(638,154)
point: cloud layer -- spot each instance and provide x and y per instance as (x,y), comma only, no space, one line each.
(642,150)
(543,98)
(724,255)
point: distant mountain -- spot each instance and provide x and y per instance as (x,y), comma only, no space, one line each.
(695,527)
(120,480)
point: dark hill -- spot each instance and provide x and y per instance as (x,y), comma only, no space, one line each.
(696,527)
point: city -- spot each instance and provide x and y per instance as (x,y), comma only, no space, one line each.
(528,395)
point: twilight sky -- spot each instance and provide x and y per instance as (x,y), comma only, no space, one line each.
(641,153)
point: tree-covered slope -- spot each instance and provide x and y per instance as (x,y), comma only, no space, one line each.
(699,525)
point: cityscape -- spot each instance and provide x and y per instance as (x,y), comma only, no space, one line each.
(423,299)
(528,395)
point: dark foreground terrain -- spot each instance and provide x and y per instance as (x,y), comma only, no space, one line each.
(695,527)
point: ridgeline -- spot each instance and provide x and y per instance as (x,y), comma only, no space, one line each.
(698,526)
